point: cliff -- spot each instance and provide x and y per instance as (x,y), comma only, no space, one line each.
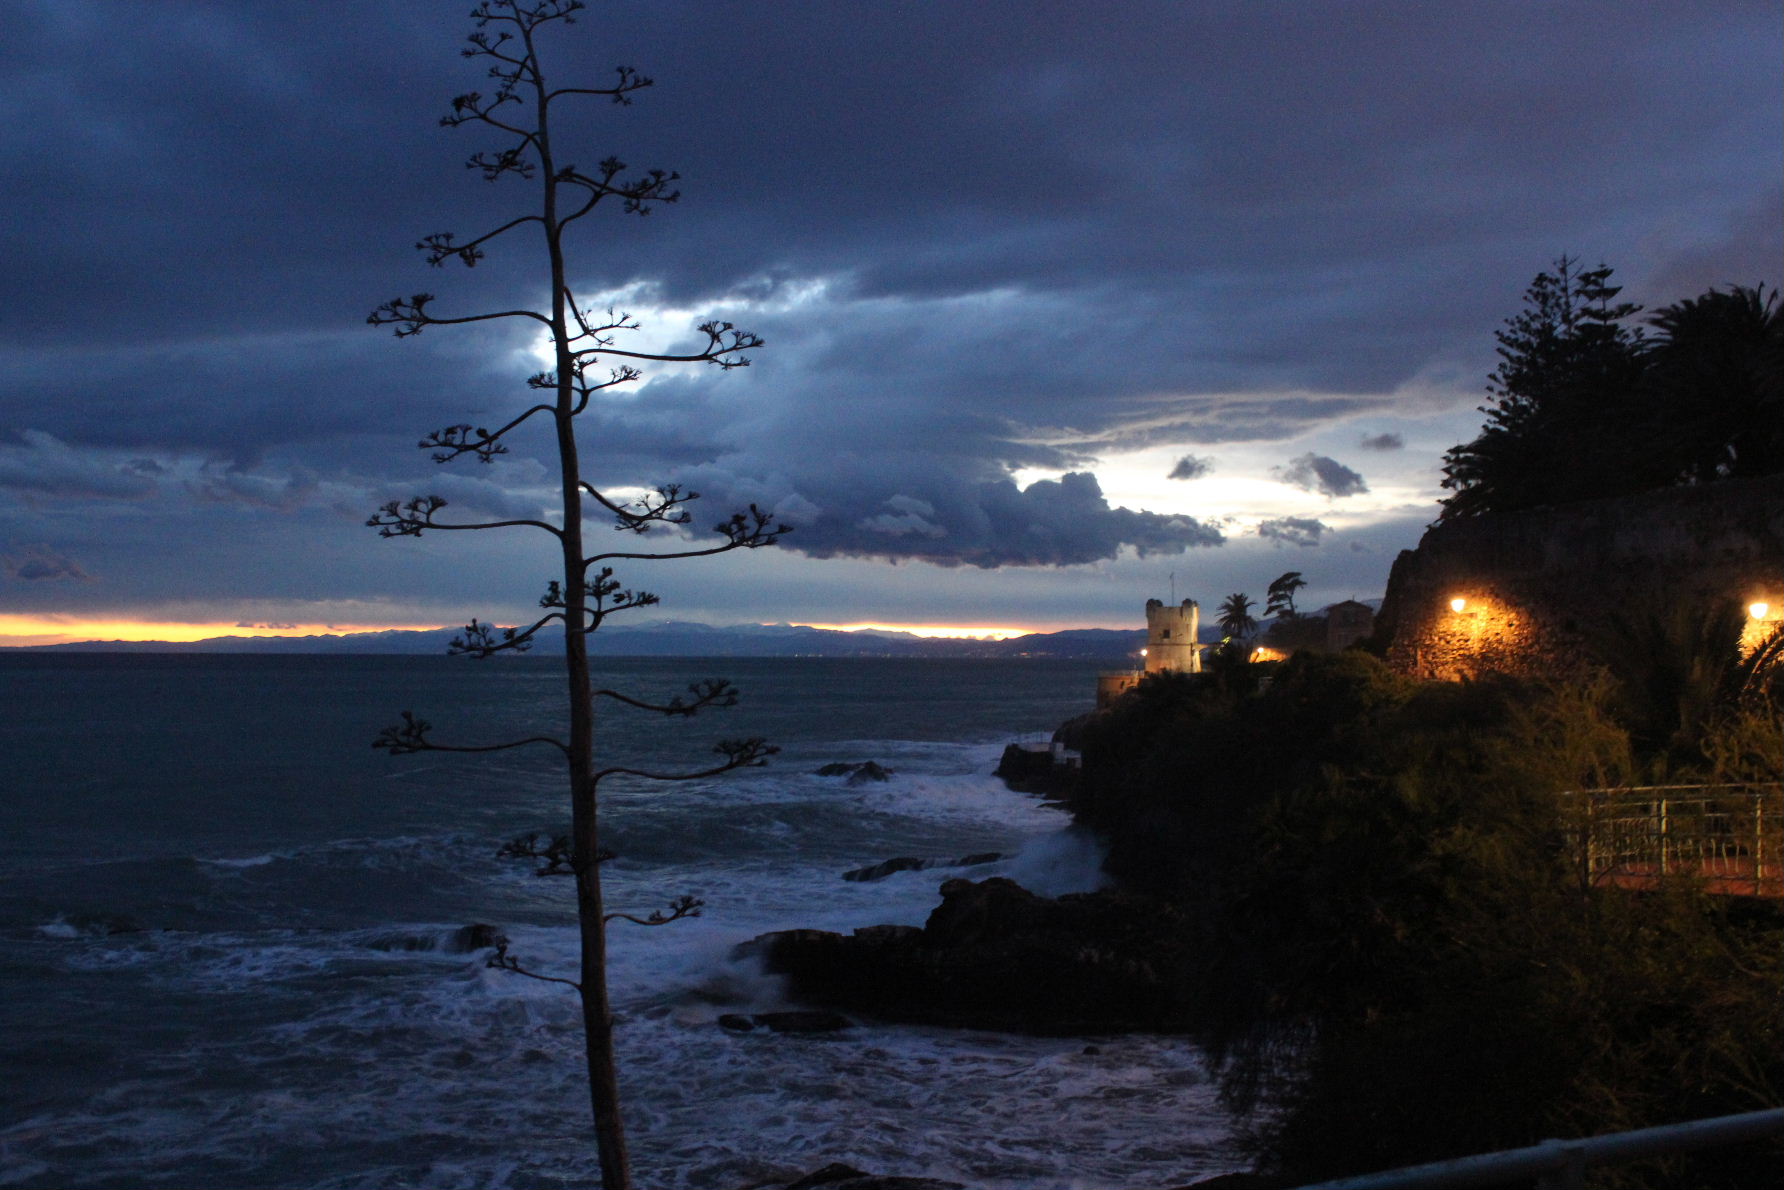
(1534,582)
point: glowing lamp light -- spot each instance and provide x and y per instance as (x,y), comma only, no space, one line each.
(1458,603)
(1758,609)
(1142,652)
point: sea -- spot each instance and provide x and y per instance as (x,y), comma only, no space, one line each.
(230,931)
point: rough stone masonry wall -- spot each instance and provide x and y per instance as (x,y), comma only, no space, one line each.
(1535,580)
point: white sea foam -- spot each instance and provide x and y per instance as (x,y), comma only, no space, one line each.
(346,1049)
(251,861)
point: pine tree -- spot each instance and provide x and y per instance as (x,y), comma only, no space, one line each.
(1564,421)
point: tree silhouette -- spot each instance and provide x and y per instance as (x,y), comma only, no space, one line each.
(1559,424)
(1715,375)
(1280,598)
(586,591)
(1584,406)
(1236,619)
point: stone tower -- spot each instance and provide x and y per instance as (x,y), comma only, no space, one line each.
(1171,637)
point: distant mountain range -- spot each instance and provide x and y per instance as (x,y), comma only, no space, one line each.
(670,638)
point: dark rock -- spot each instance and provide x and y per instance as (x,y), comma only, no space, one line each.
(737,1022)
(994,955)
(883,869)
(973,914)
(858,774)
(838,1176)
(836,1171)
(1024,761)
(476,936)
(910,863)
(886,935)
(803,1022)
(1029,768)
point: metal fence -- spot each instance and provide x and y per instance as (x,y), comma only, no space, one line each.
(1729,836)
(1562,1164)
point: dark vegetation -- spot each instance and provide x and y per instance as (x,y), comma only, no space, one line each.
(1398,958)
(517,113)
(1398,954)
(1586,403)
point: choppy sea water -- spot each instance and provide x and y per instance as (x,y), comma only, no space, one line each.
(226,933)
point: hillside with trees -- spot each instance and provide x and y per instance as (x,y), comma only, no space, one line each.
(1587,402)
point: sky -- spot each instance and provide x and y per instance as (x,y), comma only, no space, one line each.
(1065,306)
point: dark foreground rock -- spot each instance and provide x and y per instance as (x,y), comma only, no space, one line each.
(911,863)
(995,956)
(844,1177)
(476,936)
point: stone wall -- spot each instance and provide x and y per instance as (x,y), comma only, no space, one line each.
(1532,582)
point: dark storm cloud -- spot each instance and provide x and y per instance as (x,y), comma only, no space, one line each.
(1036,237)
(42,466)
(906,509)
(1383,441)
(1293,530)
(1191,467)
(1317,473)
(40,563)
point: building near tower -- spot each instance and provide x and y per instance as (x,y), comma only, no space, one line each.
(1171,647)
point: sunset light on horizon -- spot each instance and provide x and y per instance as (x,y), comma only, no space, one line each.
(16,630)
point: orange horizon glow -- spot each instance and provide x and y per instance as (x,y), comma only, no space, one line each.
(66,630)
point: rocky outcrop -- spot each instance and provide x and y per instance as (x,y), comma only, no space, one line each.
(838,1176)
(995,956)
(911,863)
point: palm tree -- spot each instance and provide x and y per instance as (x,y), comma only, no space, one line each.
(1235,616)
(1715,383)
(1677,665)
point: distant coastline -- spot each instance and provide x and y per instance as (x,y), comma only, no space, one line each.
(666,639)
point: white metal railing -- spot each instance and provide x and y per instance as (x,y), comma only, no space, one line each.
(1732,836)
(1562,1164)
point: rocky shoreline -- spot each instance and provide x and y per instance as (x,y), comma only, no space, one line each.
(995,956)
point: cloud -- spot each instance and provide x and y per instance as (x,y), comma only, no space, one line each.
(1293,530)
(1191,467)
(955,521)
(1384,441)
(1317,473)
(1300,224)
(44,465)
(39,563)
(236,486)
